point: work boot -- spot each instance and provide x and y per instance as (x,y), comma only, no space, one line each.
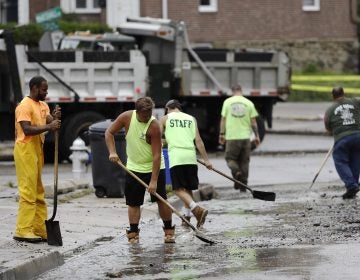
(133,237)
(27,237)
(239,186)
(200,215)
(350,193)
(186,218)
(169,235)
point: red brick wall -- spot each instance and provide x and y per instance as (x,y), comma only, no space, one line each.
(37,6)
(258,19)
(152,8)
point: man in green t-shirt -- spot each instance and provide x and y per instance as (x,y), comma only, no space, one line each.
(238,122)
(342,120)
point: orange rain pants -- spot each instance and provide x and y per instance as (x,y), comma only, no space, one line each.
(32,212)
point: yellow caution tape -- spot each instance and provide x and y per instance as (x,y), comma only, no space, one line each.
(326,89)
(339,78)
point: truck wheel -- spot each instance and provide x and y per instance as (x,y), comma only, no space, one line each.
(261,128)
(77,126)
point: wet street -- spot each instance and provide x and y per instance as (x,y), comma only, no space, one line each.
(303,235)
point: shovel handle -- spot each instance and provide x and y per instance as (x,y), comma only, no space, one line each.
(56,170)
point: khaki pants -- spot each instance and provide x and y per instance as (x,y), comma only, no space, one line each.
(237,156)
(32,212)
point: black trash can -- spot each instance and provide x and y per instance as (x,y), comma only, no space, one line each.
(108,177)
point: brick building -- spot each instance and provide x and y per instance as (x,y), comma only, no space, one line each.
(322,33)
(317,33)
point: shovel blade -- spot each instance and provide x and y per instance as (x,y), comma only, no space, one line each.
(268,196)
(53,233)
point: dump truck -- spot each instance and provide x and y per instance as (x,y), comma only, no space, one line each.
(91,86)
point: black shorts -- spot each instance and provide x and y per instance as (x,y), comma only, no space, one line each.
(135,191)
(184,177)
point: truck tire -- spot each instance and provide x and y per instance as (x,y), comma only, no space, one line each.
(76,126)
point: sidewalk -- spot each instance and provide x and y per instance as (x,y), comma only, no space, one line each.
(85,222)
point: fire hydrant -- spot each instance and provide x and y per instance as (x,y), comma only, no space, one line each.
(79,157)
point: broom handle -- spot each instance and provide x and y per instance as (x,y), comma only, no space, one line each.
(322,165)
(156,194)
(223,174)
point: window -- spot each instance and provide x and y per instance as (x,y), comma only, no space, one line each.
(81,4)
(87,6)
(311,5)
(208,6)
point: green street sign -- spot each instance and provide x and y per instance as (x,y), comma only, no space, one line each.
(48,19)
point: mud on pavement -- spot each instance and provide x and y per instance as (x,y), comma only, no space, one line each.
(304,217)
(302,235)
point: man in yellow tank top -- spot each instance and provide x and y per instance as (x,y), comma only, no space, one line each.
(32,119)
(144,159)
(180,133)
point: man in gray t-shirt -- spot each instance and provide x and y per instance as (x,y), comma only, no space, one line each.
(342,120)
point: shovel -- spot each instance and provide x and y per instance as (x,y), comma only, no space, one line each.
(268,196)
(198,234)
(53,227)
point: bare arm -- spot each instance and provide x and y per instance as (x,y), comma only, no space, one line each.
(222,131)
(327,124)
(52,124)
(162,123)
(36,130)
(55,115)
(254,128)
(201,148)
(154,134)
(121,121)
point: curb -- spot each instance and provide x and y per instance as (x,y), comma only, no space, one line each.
(33,268)
(292,132)
(289,152)
(299,118)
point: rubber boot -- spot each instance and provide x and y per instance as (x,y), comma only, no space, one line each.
(169,235)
